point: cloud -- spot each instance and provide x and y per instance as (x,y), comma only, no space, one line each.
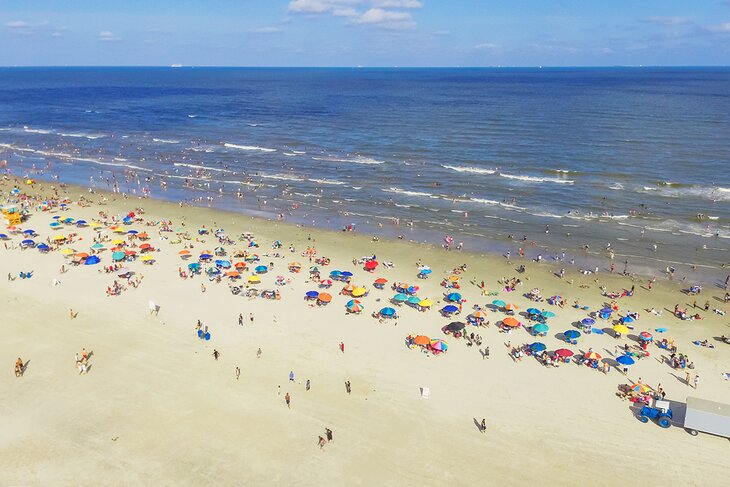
(265,30)
(666,21)
(25,28)
(719,28)
(485,45)
(108,36)
(362,12)
(397,3)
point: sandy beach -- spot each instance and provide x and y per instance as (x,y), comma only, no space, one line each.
(156,408)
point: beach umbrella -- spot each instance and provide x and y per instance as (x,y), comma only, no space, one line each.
(239,265)
(325,297)
(314,268)
(625,360)
(640,388)
(130,252)
(540,328)
(43,247)
(588,321)
(538,347)
(27,242)
(261,269)
(335,274)
(622,329)
(450,309)
(425,272)
(213,271)
(226,264)
(97,246)
(660,330)
(254,279)
(425,303)
(454,278)
(92,260)
(387,312)
(325,282)
(55,225)
(593,356)
(572,334)
(499,303)
(381,281)
(422,340)
(118,255)
(548,314)
(371,265)
(80,223)
(511,322)
(627,319)
(346,274)
(133,232)
(646,336)
(312,294)
(412,289)
(533,311)
(205,256)
(67,252)
(81,255)
(439,345)
(28,232)
(354,306)
(59,238)
(606,311)
(479,314)
(563,352)
(414,299)
(352,303)
(117,241)
(295,265)
(453,297)
(511,307)
(193,266)
(3,236)
(360,291)
(400,297)
(147,258)
(455,326)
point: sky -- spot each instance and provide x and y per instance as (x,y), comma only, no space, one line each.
(364,32)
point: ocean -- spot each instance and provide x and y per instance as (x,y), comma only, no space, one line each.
(560,160)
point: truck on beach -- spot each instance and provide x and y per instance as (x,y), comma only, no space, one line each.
(707,417)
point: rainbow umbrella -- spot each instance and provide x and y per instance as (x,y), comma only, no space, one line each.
(593,356)
(439,345)
(640,388)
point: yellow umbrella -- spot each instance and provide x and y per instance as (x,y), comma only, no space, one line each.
(623,329)
(59,238)
(425,303)
(254,279)
(147,258)
(119,230)
(118,241)
(360,291)
(94,224)
(67,251)
(454,278)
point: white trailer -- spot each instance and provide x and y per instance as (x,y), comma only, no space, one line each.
(707,416)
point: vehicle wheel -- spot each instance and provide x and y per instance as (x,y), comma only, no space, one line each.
(643,419)
(693,432)
(664,423)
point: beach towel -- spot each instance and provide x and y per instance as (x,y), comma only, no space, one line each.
(660,330)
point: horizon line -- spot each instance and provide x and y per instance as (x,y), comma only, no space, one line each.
(516,66)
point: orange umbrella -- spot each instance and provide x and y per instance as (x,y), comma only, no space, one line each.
(143,235)
(511,307)
(239,265)
(593,356)
(511,322)
(479,314)
(325,297)
(184,252)
(130,252)
(82,255)
(145,246)
(422,340)
(233,274)
(381,280)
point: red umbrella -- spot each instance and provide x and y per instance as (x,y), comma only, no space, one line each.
(371,264)
(563,352)
(381,280)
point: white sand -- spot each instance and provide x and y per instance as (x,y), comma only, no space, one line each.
(181,418)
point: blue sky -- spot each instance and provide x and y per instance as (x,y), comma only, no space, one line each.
(365,32)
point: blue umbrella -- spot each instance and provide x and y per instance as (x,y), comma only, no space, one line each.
(499,303)
(43,247)
(540,328)
(56,217)
(133,232)
(414,299)
(538,347)
(193,266)
(627,319)
(335,274)
(400,297)
(606,311)
(118,255)
(91,260)
(412,290)
(312,294)
(387,312)
(660,330)
(29,232)
(597,331)
(68,220)
(27,242)
(3,236)
(223,263)
(548,314)
(346,274)
(81,223)
(262,269)
(454,297)
(55,224)
(351,303)
(425,272)
(572,334)
(588,321)
(205,256)
(450,309)
(625,360)
(533,311)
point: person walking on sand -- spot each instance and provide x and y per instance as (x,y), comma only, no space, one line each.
(291,376)
(328,434)
(202,287)
(258,353)
(240,319)
(321,443)
(216,354)
(483,425)
(342,347)
(348,386)
(686,378)
(697,380)
(19,367)
(238,372)
(307,386)
(287,398)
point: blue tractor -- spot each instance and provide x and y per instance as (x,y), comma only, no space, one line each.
(661,413)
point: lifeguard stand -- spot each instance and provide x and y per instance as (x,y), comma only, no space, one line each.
(11,215)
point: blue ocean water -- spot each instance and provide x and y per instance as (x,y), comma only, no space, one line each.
(628,156)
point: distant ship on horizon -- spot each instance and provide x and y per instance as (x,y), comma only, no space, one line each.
(176,65)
